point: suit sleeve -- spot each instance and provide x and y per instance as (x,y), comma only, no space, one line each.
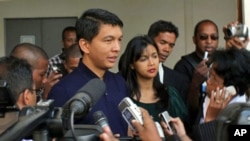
(205,131)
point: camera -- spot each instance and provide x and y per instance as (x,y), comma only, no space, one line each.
(130,111)
(239,30)
(165,117)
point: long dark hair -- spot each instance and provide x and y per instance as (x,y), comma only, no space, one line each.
(132,53)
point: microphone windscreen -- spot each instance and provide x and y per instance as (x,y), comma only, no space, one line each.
(95,88)
(85,98)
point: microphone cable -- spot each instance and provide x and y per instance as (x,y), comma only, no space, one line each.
(72,113)
(75,108)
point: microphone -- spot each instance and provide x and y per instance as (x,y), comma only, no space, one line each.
(85,98)
(100,119)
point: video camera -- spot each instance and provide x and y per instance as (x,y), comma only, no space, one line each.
(44,121)
(37,122)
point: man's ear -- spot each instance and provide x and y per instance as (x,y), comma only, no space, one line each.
(194,40)
(84,45)
(26,96)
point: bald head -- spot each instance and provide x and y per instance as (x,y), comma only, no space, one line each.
(73,52)
(37,58)
(29,52)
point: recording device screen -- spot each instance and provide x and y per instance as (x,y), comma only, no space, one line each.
(128,115)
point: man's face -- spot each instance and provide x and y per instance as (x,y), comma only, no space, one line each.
(206,39)
(69,38)
(165,42)
(71,63)
(39,73)
(104,48)
(33,97)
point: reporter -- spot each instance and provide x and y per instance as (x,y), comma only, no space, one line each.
(13,71)
(38,59)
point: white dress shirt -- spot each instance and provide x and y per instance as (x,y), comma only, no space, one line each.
(161,73)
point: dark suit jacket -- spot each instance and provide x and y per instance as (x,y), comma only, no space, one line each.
(205,131)
(177,80)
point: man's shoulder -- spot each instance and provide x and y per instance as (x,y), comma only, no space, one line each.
(66,88)
(190,55)
(186,60)
(173,73)
(169,70)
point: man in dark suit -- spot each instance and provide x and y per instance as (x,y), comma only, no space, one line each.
(205,38)
(165,34)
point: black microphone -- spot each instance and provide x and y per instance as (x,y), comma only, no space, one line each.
(85,98)
(100,119)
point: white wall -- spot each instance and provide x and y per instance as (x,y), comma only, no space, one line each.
(137,16)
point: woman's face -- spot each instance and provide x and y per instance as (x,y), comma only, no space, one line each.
(147,65)
(213,81)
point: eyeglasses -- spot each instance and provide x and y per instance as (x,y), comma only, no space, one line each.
(205,37)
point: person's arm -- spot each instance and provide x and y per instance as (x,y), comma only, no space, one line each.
(199,76)
(205,131)
(51,80)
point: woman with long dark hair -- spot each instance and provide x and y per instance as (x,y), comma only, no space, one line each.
(139,66)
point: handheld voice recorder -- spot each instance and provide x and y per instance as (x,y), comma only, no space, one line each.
(166,118)
(130,111)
